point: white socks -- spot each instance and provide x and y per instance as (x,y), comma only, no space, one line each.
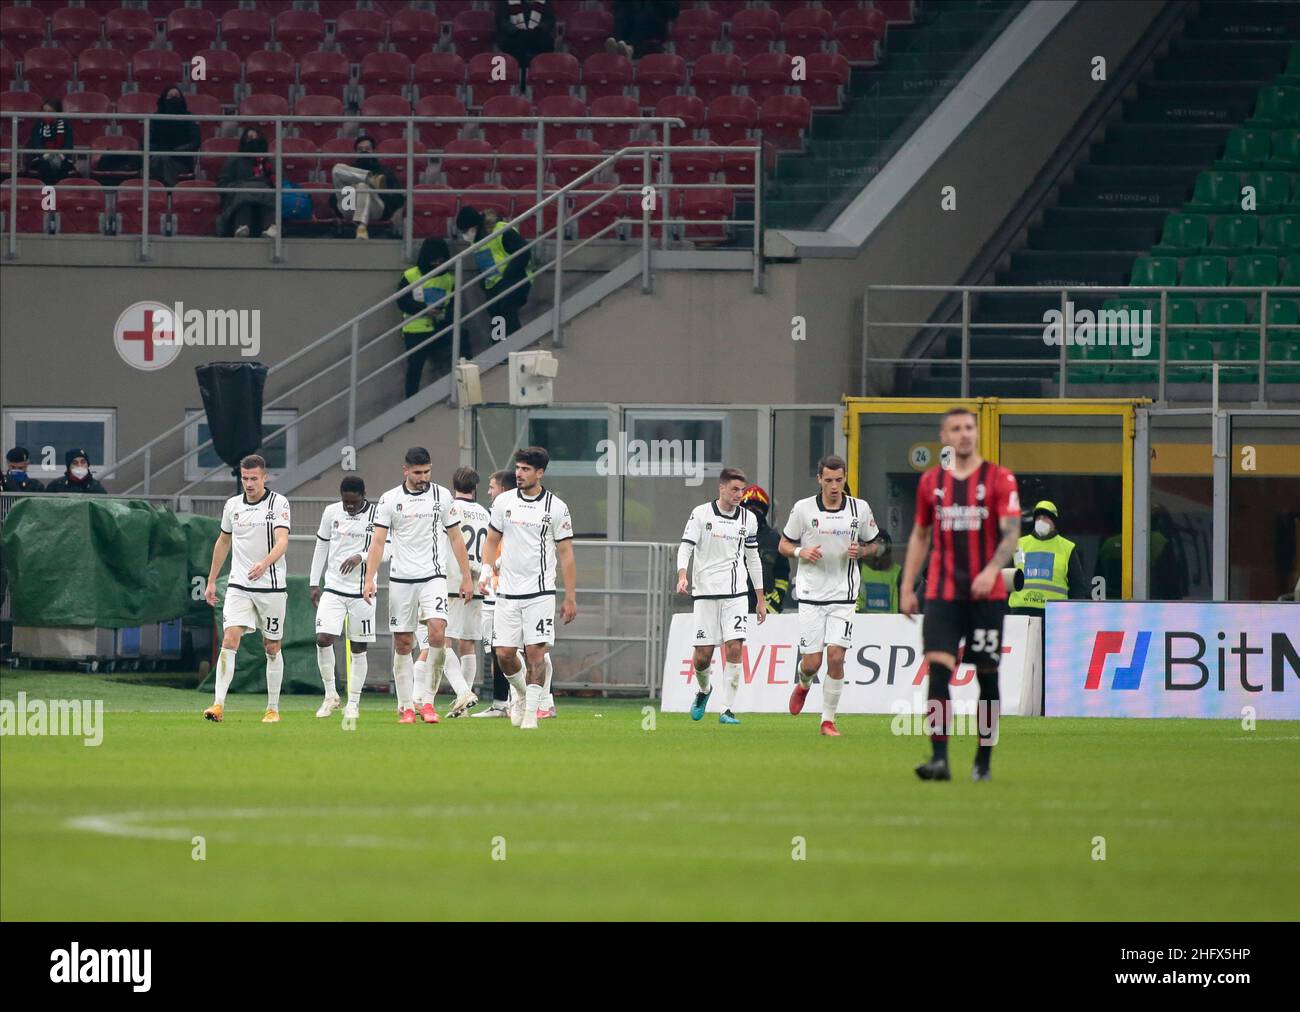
(325,661)
(731,673)
(274,677)
(831,689)
(805,679)
(360,666)
(702,679)
(225,673)
(469,668)
(451,666)
(422,678)
(517,681)
(532,699)
(548,701)
(404,679)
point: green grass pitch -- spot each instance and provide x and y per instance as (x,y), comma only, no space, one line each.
(597,817)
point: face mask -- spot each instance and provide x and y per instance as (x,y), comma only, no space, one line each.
(18,475)
(1043,528)
(470,236)
(175,106)
(80,473)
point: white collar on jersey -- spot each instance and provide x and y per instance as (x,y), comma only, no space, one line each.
(718,512)
(266,492)
(844,501)
(405,488)
(524,498)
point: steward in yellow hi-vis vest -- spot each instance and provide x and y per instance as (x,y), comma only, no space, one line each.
(500,266)
(881,578)
(1053,569)
(426,310)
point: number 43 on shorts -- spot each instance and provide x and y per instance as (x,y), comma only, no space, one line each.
(544,626)
(986,641)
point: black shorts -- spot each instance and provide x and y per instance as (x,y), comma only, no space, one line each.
(979,623)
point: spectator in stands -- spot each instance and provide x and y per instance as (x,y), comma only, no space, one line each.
(15,477)
(172,135)
(776,567)
(882,578)
(366,175)
(641,26)
(427,310)
(53,136)
(77,476)
(251,212)
(524,29)
(501,264)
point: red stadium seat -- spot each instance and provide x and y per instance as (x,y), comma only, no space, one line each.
(523,201)
(47,71)
(585,33)
(155,69)
(246,31)
(103,70)
(606,74)
(299,32)
(591,217)
(896,12)
(783,120)
(190,29)
(413,32)
(727,8)
(391,106)
(222,71)
(219,7)
(505,105)
(439,74)
(438,134)
(716,75)
(561,105)
(517,164)
(572,159)
(695,167)
(319,105)
(858,32)
(21,27)
(753,31)
(552,74)
(212,156)
(448,9)
(612,136)
(490,75)
(467,161)
(827,78)
(738,166)
(659,75)
(136,103)
(300,156)
(336,150)
(322,73)
(270,72)
(330,10)
(20,101)
(86,130)
(195,207)
(807,30)
(687,108)
(275,7)
(76,28)
(490,196)
(8,69)
(385,74)
(106,145)
(768,74)
(31,216)
(205,105)
(263,105)
(392,155)
(710,208)
(130,29)
(359,32)
(128,208)
(730,118)
(433,208)
(786,7)
(473,32)
(695,32)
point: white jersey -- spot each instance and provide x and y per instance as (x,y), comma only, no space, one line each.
(416,524)
(725,546)
(252,527)
(472,520)
(834,578)
(530,530)
(342,535)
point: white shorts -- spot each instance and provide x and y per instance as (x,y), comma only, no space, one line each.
(489,610)
(410,604)
(720,619)
(360,614)
(263,611)
(464,621)
(523,621)
(820,624)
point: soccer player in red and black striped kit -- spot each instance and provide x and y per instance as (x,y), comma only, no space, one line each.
(968,518)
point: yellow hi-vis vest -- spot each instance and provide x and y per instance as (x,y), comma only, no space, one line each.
(1045,568)
(494,267)
(879,590)
(422,323)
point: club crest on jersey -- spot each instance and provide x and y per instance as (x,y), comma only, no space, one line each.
(336,525)
(399,507)
(938,493)
(979,491)
(546,519)
(708,526)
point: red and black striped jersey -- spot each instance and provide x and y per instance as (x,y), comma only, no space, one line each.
(964,516)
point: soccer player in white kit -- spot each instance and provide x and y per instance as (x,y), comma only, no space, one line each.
(827,533)
(468,520)
(255,533)
(342,543)
(723,537)
(529,531)
(415,513)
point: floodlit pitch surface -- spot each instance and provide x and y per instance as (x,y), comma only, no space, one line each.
(592,816)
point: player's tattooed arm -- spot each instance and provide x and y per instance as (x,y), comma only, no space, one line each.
(982,586)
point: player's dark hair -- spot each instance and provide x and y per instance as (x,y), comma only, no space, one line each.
(416,456)
(465,479)
(505,479)
(730,474)
(533,456)
(352,483)
(253,461)
(831,462)
(957,411)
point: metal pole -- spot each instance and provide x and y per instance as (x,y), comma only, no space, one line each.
(965,343)
(539,181)
(1221,446)
(148,463)
(557,334)
(1065,304)
(144,195)
(352,387)
(1141,506)
(1263,347)
(456,314)
(276,251)
(13,189)
(1164,345)
(758,219)
(408,249)
(862,379)
(645,225)
(665,179)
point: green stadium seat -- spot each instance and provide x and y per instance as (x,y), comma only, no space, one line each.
(1225,312)
(1285,151)
(1280,234)
(1088,363)
(1247,148)
(1256,270)
(1283,313)
(1291,76)
(1272,190)
(1156,272)
(1234,235)
(1290,269)
(1205,272)
(1183,235)
(1189,348)
(1240,349)
(1216,191)
(1277,106)
(1284,361)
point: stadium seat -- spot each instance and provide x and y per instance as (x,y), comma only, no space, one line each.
(30,214)
(270,72)
(597,207)
(20,101)
(1285,153)
(76,28)
(190,29)
(47,71)
(505,105)
(561,105)
(334,151)
(1244,349)
(1278,106)
(392,155)
(102,70)
(299,32)
(213,153)
(1221,312)
(324,73)
(8,68)
(155,69)
(708,208)
(753,31)
(768,74)
(730,118)
(1234,235)
(1284,361)
(195,207)
(659,75)
(135,103)
(896,11)
(785,8)
(1290,265)
(550,215)
(716,75)
(1183,348)
(858,33)
(695,32)
(86,130)
(490,196)
(439,134)
(473,33)
(687,108)
(413,32)
(491,75)
(128,207)
(1156,271)
(572,158)
(1247,148)
(1183,235)
(1272,190)
(1258,270)
(1280,234)
(130,29)
(318,105)
(517,164)
(110,145)
(826,81)
(300,157)
(585,33)
(448,9)
(606,74)
(21,27)
(738,166)
(205,105)
(359,31)
(1204,271)
(222,72)
(552,74)
(807,30)
(433,208)
(695,167)
(393,106)
(611,136)
(246,31)
(783,120)
(1216,191)
(265,106)
(332,10)
(465,162)
(439,74)
(385,74)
